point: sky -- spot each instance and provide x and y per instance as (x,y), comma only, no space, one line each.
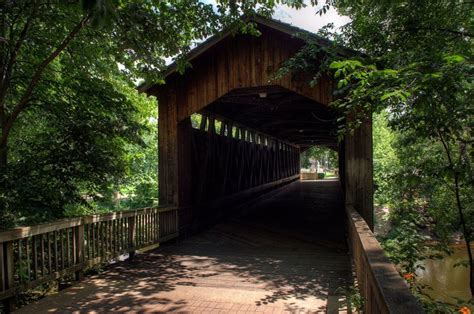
(306,18)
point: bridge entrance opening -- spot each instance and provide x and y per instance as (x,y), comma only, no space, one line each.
(247,144)
(319,163)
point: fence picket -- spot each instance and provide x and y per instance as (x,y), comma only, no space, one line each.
(30,256)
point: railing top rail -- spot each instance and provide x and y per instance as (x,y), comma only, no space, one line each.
(28,231)
(393,290)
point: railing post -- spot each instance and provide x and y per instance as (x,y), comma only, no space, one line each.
(2,269)
(8,273)
(3,285)
(79,250)
(131,236)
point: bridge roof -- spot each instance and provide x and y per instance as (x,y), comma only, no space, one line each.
(280,26)
(233,76)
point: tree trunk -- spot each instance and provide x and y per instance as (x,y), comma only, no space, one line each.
(467,235)
(466,232)
(5,218)
(3,159)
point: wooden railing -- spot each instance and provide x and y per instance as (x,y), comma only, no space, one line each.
(30,256)
(381,286)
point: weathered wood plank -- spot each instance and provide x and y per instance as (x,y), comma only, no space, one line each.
(35,256)
(358,171)
(9,265)
(79,250)
(23,232)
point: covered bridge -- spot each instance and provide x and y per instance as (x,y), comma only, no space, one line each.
(265,124)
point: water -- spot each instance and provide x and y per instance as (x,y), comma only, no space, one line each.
(448,283)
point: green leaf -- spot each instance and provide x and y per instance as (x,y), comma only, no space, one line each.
(336,65)
(454,58)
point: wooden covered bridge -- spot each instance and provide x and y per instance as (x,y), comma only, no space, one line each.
(253,236)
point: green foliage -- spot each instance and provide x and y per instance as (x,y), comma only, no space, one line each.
(412,67)
(74,129)
(420,95)
(139,185)
(75,135)
(324,156)
(353,297)
(385,157)
(73,148)
(414,178)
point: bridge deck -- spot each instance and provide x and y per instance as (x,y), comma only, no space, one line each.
(288,255)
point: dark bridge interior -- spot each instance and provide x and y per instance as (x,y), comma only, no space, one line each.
(246,141)
(281,113)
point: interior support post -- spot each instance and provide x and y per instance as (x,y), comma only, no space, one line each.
(358,171)
(184,173)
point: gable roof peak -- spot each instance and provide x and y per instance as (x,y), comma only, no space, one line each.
(258,19)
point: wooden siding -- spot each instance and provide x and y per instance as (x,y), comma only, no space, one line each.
(225,164)
(238,62)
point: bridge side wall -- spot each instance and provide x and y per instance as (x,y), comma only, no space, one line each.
(225,164)
(358,172)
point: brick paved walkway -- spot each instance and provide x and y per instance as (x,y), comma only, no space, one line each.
(271,261)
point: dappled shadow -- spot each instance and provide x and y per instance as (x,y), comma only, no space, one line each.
(293,246)
(125,286)
(288,254)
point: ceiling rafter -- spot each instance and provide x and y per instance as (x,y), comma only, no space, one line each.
(279,112)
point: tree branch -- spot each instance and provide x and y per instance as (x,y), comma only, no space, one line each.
(23,102)
(444,30)
(466,232)
(7,70)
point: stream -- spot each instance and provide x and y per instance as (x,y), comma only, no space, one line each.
(448,283)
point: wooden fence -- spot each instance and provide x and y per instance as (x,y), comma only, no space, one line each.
(309,176)
(30,256)
(381,286)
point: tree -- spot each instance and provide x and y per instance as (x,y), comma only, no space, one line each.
(59,61)
(326,157)
(412,59)
(55,55)
(141,35)
(419,68)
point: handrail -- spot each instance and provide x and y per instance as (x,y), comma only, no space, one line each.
(30,256)
(23,232)
(254,190)
(381,286)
